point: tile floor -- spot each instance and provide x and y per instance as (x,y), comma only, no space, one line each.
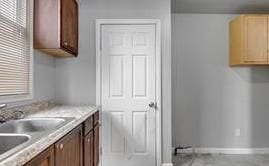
(221,160)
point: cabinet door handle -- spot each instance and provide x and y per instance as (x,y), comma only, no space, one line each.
(66,43)
(88,140)
(61,146)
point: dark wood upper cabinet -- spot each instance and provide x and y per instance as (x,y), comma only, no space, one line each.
(69,28)
(68,150)
(46,158)
(56,27)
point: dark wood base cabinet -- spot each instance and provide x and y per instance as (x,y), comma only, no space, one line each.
(91,141)
(88,149)
(68,151)
(78,148)
(96,145)
(46,158)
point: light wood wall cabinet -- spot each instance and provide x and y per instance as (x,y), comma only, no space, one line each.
(249,40)
(56,27)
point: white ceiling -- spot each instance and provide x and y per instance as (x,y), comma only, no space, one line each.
(220,6)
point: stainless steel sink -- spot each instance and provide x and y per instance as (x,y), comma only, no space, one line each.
(31,125)
(10,141)
(16,135)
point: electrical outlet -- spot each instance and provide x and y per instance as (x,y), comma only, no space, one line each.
(237,132)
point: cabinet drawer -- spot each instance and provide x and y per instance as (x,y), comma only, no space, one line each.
(88,125)
(96,118)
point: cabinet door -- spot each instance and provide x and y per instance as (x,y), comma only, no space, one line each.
(69,25)
(96,145)
(88,149)
(68,151)
(46,158)
(255,42)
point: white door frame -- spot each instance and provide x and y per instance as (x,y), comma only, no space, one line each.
(157,23)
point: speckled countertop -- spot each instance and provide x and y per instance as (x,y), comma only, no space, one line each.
(80,114)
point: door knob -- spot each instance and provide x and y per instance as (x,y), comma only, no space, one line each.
(152,105)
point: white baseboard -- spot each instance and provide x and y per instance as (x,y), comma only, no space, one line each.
(167,164)
(229,150)
(233,150)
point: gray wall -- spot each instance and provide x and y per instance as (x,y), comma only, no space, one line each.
(210,99)
(44,79)
(76,77)
(44,76)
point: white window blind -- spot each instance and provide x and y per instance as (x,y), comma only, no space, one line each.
(14,47)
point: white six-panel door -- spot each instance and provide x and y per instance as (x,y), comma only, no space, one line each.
(128,86)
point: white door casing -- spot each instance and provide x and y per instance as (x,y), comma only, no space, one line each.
(128,76)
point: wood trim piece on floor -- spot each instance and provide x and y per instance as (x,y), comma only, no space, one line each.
(228,151)
(167,164)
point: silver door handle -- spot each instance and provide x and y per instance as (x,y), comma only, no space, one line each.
(152,105)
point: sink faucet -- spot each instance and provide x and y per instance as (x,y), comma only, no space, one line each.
(2,117)
(2,106)
(17,114)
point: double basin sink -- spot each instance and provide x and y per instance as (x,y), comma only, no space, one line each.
(15,135)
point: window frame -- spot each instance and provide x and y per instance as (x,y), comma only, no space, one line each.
(30,95)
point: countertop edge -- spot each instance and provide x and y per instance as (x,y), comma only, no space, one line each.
(27,154)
